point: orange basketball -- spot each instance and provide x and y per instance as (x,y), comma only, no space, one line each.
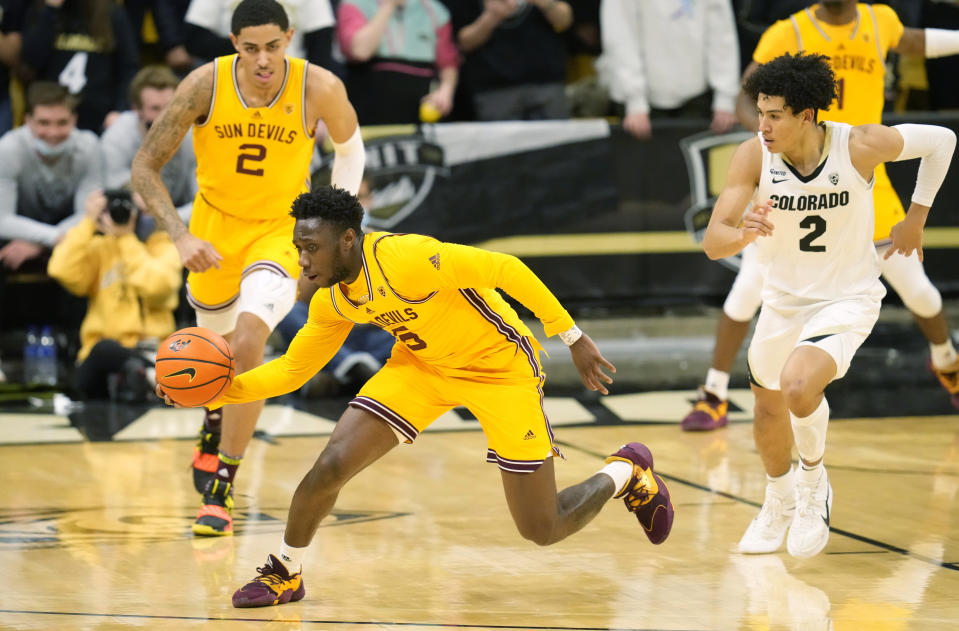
(194,366)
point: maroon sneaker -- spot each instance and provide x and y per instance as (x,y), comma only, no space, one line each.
(645,494)
(274,586)
(708,413)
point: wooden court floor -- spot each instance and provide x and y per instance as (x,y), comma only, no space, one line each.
(95,535)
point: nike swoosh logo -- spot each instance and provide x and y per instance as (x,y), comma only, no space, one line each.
(186,371)
(825,517)
(775,181)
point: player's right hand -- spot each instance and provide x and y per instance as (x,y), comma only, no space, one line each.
(197,255)
(160,393)
(756,222)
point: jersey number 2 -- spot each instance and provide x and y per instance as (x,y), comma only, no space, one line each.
(818,225)
(254,153)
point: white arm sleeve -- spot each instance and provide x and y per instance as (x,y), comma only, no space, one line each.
(941,42)
(348,163)
(935,146)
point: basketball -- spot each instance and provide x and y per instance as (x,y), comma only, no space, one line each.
(194,366)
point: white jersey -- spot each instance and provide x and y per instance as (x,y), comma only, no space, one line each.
(821,248)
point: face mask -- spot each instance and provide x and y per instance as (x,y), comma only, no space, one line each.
(50,151)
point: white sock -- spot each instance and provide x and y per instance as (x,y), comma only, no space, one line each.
(810,474)
(943,355)
(620,472)
(717,382)
(810,432)
(291,557)
(783,485)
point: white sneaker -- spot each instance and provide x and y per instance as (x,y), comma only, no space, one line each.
(809,532)
(765,533)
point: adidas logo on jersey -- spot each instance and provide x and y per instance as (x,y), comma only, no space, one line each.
(435,260)
(529,435)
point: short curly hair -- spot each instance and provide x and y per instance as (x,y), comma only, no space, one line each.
(803,80)
(331,204)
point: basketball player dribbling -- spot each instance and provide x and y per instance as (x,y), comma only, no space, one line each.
(457,343)
(254,115)
(856,38)
(812,223)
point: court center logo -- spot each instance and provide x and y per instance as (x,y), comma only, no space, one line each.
(707,162)
(400,172)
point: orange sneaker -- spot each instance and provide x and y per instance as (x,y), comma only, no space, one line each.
(949,379)
(206,454)
(215,518)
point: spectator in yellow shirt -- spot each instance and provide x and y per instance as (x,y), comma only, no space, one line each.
(132,282)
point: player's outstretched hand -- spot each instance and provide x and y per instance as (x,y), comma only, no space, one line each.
(160,393)
(756,222)
(197,255)
(590,363)
(906,237)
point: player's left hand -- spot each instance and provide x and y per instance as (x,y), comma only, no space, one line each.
(906,237)
(590,363)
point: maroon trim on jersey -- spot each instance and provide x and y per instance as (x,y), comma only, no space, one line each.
(201,306)
(209,114)
(549,428)
(236,84)
(513,466)
(369,284)
(309,132)
(510,333)
(387,280)
(393,419)
(342,315)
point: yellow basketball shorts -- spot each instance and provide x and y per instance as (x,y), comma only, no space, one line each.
(246,245)
(505,394)
(888,208)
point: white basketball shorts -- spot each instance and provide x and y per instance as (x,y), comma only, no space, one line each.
(837,327)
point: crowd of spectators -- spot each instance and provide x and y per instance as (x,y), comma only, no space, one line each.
(82,80)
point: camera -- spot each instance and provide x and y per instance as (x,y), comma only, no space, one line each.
(119,205)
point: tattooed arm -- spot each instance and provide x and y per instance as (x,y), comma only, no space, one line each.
(190,104)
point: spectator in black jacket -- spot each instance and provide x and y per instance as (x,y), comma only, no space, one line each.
(169,19)
(89,47)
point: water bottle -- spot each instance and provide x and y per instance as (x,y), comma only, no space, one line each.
(47,358)
(30,349)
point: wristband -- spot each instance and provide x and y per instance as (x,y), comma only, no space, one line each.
(570,336)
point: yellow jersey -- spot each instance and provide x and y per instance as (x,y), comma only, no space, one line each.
(439,300)
(857,53)
(253,161)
